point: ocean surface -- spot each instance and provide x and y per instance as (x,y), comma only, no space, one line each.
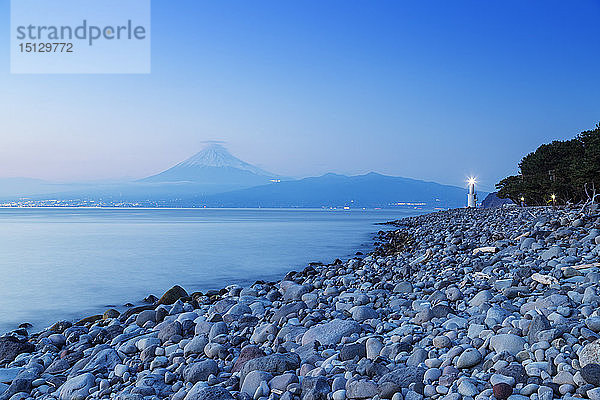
(69,263)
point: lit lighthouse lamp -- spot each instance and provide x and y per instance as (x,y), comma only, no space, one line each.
(471,197)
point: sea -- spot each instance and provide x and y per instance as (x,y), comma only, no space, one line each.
(69,263)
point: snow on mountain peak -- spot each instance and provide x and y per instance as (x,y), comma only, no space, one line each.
(215,155)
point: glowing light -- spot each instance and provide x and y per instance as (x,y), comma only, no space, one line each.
(522,198)
(472,181)
(553,197)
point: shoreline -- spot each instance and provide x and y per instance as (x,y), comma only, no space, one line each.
(458,304)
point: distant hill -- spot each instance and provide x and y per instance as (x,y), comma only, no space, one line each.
(214,165)
(332,190)
(492,201)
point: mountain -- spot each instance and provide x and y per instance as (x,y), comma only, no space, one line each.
(214,165)
(332,190)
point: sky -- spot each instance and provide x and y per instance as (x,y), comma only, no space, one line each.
(434,90)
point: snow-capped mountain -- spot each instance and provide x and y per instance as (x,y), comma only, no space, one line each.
(214,165)
(215,155)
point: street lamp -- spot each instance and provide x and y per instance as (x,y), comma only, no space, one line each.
(553,197)
(522,201)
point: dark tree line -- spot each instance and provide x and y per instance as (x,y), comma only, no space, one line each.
(568,169)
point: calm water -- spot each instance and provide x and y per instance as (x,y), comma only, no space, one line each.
(70,263)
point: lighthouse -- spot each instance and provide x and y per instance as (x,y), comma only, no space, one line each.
(471,200)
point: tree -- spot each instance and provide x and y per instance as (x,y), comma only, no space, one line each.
(562,168)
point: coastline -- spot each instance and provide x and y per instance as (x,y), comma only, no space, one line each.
(454,304)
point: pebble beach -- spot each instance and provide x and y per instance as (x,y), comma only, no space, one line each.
(460,304)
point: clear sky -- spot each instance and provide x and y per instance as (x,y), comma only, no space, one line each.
(435,90)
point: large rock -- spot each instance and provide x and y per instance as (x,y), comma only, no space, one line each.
(287,309)
(275,364)
(11,347)
(22,381)
(172,295)
(102,361)
(538,324)
(253,380)
(590,354)
(168,330)
(7,375)
(402,377)
(292,290)
(507,343)
(77,388)
(363,313)
(248,352)
(200,392)
(591,374)
(361,389)
(196,345)
(469,358)
(331,332)
(315,388)
(200,371)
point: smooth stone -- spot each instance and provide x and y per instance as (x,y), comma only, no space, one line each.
(200,392)
(253,380)
(591,374)
(77,388)
(8,374)
(467,388)
(469,358)
(510,343)
(331,333)
(361,389)
(200,371)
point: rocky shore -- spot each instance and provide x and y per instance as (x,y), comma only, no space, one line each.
(461,304)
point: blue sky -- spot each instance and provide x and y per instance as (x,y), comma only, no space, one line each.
(434,90)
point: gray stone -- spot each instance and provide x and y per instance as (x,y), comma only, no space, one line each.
(591,373)
(253,380)
(480,298)
(593,323)
(331,332)
(11,347)
(77,388)
(168,330)
(538,324)
(281,382)
(8,374)
(275,364)
(200,371)
(469,358)
(293,291)
(403,287)
(467,388)
(507,342)
(363,313)
(145,316)
(590,354)
(196,345)
(403,376)
(363,389)
(200,392)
